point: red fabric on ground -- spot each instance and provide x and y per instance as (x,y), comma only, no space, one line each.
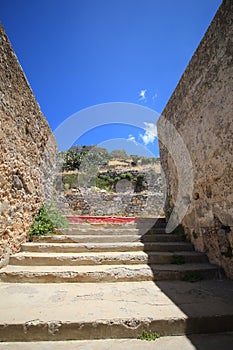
(101,219)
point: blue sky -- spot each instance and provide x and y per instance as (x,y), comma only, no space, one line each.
(81,53)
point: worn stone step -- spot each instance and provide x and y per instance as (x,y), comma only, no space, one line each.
(106,247)
(123,229)
(161,221)
(107,258)
(145,226)
(154,230)
(108,231)
(161,238)
(107,238)
(85,239)
(217,341)
(97,231)
(51,312)
(104,273)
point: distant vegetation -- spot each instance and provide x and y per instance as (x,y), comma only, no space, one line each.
(87,166)
(81,157)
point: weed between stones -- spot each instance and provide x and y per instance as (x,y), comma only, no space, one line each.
(148,335)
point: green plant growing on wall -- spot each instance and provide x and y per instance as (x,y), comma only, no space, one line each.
(104,182)
(47,220)
(148,335)
(66,186)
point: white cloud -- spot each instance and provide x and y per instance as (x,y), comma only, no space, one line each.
(131,138)
(142,95)
(150,133)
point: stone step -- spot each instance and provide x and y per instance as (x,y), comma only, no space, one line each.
(215,341)
(148,225)
(153,230)
(104,273)
(89,282)
(108,231)
(107,238)
(161,238)
(87,238)
(51,312)
(97,232)
(105,247)
(152,221)
(107,258)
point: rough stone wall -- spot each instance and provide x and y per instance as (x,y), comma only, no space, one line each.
(101,203)
(201,109)
(27,153)
(125,202)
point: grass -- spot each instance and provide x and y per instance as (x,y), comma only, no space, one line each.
(148,335)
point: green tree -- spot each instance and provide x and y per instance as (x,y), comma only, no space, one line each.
(119,154)
(72,160)
(83,156)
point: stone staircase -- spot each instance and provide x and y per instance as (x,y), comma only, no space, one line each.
(111,281)
(122,254)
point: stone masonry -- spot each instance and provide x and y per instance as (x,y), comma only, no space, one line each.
(27,153)
(124,201)
(201,111)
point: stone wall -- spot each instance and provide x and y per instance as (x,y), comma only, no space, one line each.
(103,203)
(124,201)
(27,153)
(201,110)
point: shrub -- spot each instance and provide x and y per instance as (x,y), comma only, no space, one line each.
(47,220)
(116,179)
(104,183)
(127,176)
(71,180)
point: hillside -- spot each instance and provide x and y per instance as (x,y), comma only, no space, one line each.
(95,182)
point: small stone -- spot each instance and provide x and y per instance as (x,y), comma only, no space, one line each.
(17,183)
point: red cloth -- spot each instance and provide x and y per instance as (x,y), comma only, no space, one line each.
(101,219)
